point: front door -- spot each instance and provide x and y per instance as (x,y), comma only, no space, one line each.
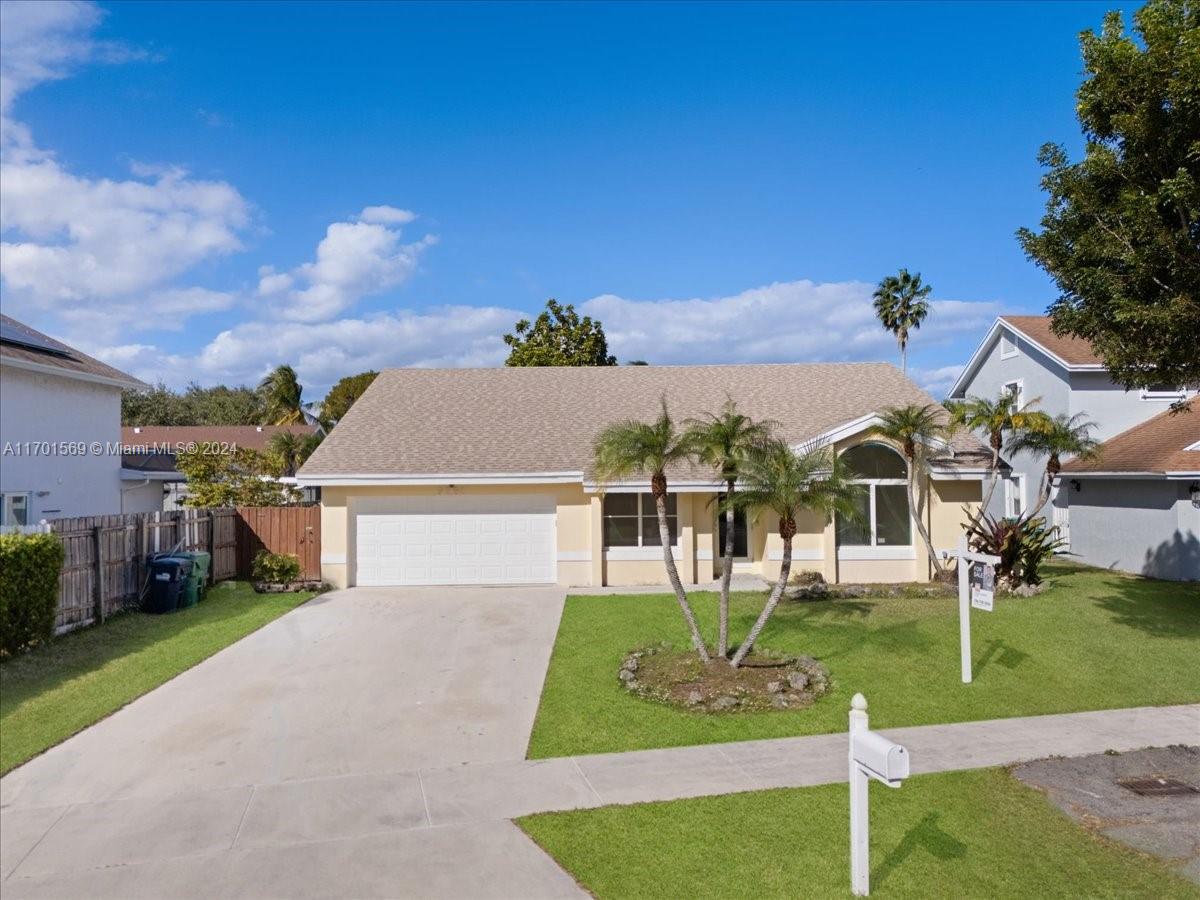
(741,543)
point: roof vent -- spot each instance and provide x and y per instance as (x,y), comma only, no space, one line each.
(258,428)
(137,430)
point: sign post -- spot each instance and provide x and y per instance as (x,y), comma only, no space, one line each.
(871,756)
(976,587)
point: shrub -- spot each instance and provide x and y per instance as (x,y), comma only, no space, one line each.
(1022,545)
(29,567)
(275,568)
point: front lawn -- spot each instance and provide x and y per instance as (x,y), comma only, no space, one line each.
(53,692)
(959,834)
(1093,640)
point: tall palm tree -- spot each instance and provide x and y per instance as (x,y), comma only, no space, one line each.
(725,441)
(996,418)
(916,429)
(785,482)
(629,448)
(281,392)
(1057,436)
(288,449)
(901,306)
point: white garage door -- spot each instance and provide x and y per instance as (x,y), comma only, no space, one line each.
(456,540)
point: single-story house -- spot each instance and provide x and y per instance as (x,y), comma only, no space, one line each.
(480,476)
(152,483)
(60,429)
(1136,506)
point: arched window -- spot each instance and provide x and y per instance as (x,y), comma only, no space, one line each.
(880,475)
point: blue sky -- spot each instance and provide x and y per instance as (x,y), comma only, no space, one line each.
(201,191)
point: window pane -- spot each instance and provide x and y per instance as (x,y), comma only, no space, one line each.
(874,461)
(620,504)
(648,508)
(857,533)
(620,531)
(650,536)
(740,533)
(892,524)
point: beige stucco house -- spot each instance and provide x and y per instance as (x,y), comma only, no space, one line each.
(480,476)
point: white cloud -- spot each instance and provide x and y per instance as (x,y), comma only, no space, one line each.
(795,321)
(353,260)
(936,381)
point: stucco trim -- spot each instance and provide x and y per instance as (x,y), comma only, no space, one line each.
(992,335)
(877,553)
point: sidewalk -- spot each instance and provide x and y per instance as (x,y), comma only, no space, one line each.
(242,841)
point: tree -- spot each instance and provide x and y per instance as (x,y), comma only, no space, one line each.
(241,477)
(996,418)
(725,441)
(916,429)
(289,450)
(216,405)
(630,448)
(1121,232)
(1054,438)
(281,393)
(558,337)
(901,306)
(342,396)
(778,480)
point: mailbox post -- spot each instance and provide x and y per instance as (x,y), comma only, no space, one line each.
(871,756)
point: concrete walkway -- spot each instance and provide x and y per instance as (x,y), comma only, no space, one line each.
(443,831)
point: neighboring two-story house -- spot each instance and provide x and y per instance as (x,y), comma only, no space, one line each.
(1021,355)
(60,429)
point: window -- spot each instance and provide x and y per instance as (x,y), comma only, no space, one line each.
(1016,390)
(741,543)
(1163,392)
(1014,496)
(880,478)
(1008,345)
(16,509)
(630,520)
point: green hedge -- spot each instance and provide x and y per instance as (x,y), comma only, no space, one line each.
(275,568)
(29,567)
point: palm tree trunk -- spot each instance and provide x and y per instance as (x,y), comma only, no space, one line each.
(1052,469)
(664,534)
(785,571)
(903,356)
(920,520)
(726,575)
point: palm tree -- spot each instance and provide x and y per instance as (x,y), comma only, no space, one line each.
(281,397)
(786,482)
(288,448)
(1057,436)
(901,306)
(916,429)
(995,418)
(629,448)
(725,441)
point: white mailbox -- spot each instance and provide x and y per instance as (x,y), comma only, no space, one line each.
(880,758)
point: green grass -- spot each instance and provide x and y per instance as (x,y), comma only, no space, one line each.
(961,834)
(1093,640)
(53,692)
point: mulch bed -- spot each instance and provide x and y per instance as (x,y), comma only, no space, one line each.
(765,681)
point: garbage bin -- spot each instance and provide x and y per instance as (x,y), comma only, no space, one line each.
(168,579)
(201,562)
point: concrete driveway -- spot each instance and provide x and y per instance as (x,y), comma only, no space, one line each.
(283,766)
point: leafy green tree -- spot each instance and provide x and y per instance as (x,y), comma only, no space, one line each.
(1121,232)
(342,396)
(779,480)
(281,393)
(917,430)
(558,337)
(631,448)
(241,477)
(726,441)
(901,306)
(1055,438)
(217,405)
(157,405)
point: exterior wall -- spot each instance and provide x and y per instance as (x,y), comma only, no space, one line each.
(1109,405)
(1159,533)
(37,408)
(139,498)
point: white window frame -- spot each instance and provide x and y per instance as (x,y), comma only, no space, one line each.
(875,550)
(1014,490)
(6,508)
(1008,345)
(1018,394)
(642,550)
(1172,396)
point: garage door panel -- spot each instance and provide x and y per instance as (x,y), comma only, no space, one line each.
(458,547)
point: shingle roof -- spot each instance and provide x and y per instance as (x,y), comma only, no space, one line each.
(1157,445)
(542,420)
(70,360)
(1071,350)
(253,437)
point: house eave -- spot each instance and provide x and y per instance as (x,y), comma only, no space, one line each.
(44,369)
(958,391)
(437,479)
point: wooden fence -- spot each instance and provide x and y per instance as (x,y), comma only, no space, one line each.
(104,557)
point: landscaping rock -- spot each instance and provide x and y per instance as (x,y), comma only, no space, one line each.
(780,701)
(797,681)
(631,664)
(1029,590)
(853,590)
(725,702)
(774,687)
(695,698)
(626,676)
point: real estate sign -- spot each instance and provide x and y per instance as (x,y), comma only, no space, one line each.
(983,586)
